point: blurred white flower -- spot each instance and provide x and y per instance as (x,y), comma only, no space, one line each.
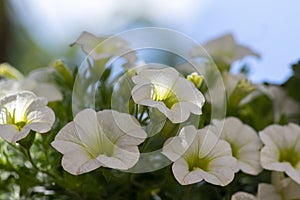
(282,149)
(282,188)
(43,74)
(224,49)
(106,138)
(243,196)
(22,112)
(194,163)
(231,81)
(238,87)
(282,103)
(46,90)
(288,191)
(164,89)
(244,142)
(105,47)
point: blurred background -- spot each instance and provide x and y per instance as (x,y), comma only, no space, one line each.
(34,33)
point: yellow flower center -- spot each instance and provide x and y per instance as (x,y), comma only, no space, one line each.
(165,95)
(290,156)
(194,162)
(102,146)
(14,118)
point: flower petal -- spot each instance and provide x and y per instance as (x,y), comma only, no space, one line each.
(243,196)
(79,162)
(48,91)
(268,192)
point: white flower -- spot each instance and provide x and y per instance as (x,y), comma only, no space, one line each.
(243,196)
(171,94)
(245,144)
(46,90)
(22,112)
(238,88)
(105,47)
(43,74)
(224,49)
(106,138)
(282,149)
(282,188)
(193,163)
(283,104)
(231,81)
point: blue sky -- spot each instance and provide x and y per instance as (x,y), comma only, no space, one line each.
(271,28)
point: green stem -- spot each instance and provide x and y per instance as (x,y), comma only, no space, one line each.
(142,111)
(136,110)
(28,154)
(187,192)
(146,144)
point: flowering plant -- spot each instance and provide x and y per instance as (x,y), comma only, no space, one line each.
(121,127)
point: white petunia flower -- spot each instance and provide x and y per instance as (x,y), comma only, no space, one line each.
(106,138)
(231,81)
(22,112)
(105,47)
(245,144)
(238,88)
(193,163)
(283,104)
(282,188)
(282,149)
(164,89)
(46,90)
(224,49)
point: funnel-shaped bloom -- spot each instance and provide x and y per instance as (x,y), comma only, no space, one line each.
(200,160)
(22,112)
(106,138)
(245,144)
(105,47)
(282,188)
(164,89)
(46,90)
(282,149)
(225,49)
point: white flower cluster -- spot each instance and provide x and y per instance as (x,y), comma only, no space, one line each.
(23,105)
(111,139)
